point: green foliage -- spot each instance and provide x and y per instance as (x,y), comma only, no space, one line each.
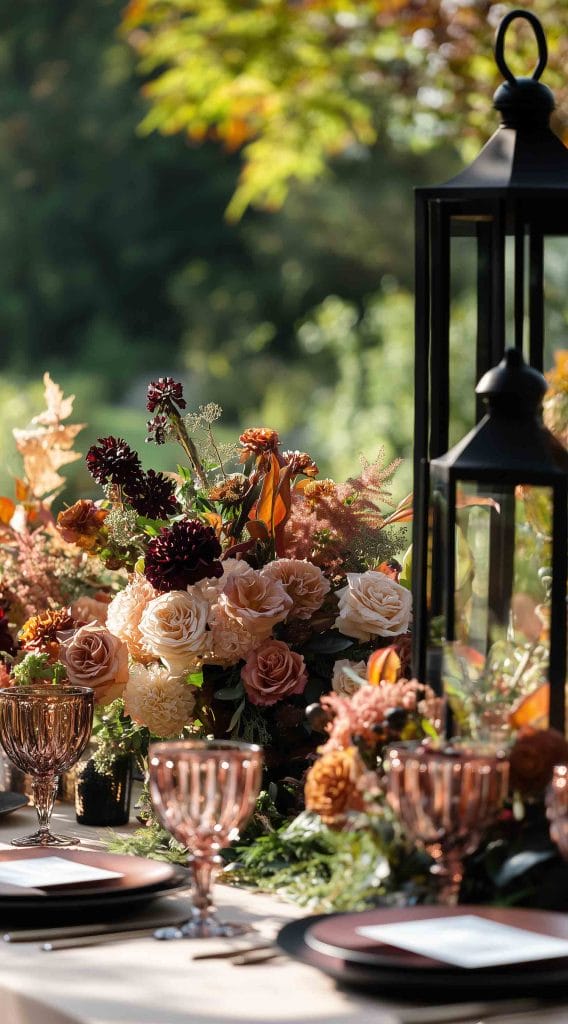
(37,668)
(293,85)
(116,735)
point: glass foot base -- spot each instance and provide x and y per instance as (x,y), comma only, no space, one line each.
(46,839)
(208,928)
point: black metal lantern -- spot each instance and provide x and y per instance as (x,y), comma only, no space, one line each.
(509,208)
(499,530)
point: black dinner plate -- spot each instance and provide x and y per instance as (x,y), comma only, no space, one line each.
(11,802)
(549,979)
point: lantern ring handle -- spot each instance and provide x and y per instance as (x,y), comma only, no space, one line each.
(540,39)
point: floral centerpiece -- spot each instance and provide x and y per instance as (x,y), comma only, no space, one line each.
(229,594)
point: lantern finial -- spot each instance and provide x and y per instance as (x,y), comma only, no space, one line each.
(520,100)
(513,380)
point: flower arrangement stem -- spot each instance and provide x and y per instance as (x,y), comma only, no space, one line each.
(183,438)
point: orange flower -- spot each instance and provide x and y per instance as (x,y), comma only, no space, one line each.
(558,376)
(40,633)
(81,524)
(332,788)
(258,441)
(300,462)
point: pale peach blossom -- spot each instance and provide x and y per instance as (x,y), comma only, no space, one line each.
(372,604)
(272,671)
(303,581)
(90,609)
(94,657)
(343,684)
(174,629)
(158,700)
(229,642)
(256,601)
(124,614)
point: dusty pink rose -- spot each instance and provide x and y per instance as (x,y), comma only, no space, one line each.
(271,672)
(90,609)
(303,581)
(124,614)
(94,657)
(256,601)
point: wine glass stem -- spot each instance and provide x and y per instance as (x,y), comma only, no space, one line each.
(448,872)
(44,790)
(202,869)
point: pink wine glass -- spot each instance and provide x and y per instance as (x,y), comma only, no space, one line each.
(446,798)
(204,792)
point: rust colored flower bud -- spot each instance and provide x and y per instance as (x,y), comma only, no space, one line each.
(81,524)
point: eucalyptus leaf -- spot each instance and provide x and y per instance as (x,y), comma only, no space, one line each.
(329,643)
(520,863)
(230,692)
(237,716)
(195,679)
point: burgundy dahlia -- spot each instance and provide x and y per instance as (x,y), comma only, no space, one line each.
(165,393)
(155,497)
(113,461)
(157,428)
(184,553)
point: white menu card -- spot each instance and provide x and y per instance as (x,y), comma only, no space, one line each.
(41,872)
(468,941)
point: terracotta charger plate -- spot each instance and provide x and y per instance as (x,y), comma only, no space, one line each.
(331,943)
(141,881)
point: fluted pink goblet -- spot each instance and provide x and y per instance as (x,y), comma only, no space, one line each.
(446,798)
(204,793)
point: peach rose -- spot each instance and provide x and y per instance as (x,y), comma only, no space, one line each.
(272,672)
(343,684)
(124,614)
(303,581)
(158,700)
(372,604)
(256,601)
(91,609)
(94,657)
(174,628)
(229,641)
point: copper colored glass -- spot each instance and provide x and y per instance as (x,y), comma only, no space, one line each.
(204,792)
(44,730)
(557,808)
(446,798)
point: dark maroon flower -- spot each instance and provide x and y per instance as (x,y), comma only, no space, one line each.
(184,553)
(165,393)
(155,497)
(157,429)
(113,461)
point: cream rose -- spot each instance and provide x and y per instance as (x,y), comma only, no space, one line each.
(303,581)
(256,601)
(124,614)
(94,657)
(158,700)
(174,628)
(343,684)
(371,604)
(272,672)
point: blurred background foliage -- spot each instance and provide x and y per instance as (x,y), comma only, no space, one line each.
(221,190)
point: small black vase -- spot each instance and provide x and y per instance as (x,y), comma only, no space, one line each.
(103,798)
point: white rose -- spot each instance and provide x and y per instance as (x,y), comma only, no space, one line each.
(343,684)
(371,604)
(174,628)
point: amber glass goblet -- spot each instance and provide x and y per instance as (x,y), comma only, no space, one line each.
(557,808)
(204,792)
(44,730)
(446,798)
